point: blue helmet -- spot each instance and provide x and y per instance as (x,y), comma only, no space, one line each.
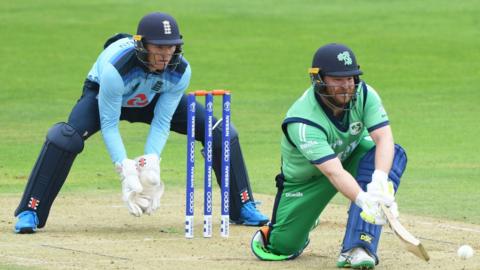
(335,60)
(158,29)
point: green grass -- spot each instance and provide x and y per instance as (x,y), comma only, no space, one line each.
(421,56)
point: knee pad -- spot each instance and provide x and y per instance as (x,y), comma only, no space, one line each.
(366,167)
(61,146)
(358,232)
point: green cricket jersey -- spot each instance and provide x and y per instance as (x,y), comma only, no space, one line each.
(312,135)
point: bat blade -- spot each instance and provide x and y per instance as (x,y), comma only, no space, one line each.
(411,243)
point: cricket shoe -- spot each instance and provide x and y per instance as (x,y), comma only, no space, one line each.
(260,250)
(356,258)
(250,216)
(27,222)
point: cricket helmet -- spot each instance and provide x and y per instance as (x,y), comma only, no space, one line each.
(335,60)
(158,29)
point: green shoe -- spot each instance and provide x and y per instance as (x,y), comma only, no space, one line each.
(261,251)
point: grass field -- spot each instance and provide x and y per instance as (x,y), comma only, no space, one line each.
(421,56)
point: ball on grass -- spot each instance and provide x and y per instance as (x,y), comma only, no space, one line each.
(465,252)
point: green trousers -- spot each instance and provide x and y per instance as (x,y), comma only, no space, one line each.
(299,203)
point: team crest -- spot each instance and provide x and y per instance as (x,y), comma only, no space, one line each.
(356,128)
(167,27)
(345,57)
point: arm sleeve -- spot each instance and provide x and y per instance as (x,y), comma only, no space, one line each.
(311,142)
(374,115)
(110,104)
(166,105)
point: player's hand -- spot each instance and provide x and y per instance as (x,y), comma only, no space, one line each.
(371,210)
(381,188)
(149,174)
(131,186)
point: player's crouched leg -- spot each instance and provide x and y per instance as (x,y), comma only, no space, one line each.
(260,247)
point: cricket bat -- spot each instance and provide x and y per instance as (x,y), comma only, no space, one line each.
(412,244)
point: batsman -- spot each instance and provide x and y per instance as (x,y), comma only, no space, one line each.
(336,137)
(140,78)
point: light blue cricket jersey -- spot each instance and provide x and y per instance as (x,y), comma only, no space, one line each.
(126,82)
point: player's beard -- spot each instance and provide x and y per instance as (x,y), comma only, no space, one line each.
(339,101)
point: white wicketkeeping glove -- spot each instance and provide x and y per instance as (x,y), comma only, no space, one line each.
(149,174)
(381,188)
(371,210)
(131,186)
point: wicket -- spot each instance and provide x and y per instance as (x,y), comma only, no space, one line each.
(208,144)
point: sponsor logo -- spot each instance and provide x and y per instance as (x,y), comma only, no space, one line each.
(167,27)
(366,238)
(33,203)
(139,100)
(308,144)
(382,111)
(190,203)
(226,151)
(208,203)
(345,57)
(226,201)
(210,124)
(157,86)
(209,151)
(348,150)
(192,152)
(356,128)
(294,194)
(227,175)
(227,127)
(336,144)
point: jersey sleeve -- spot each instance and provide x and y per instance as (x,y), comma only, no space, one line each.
(166,105)
(110,104)
(311,142)
(375,115)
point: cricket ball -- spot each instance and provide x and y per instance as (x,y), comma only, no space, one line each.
(465,252)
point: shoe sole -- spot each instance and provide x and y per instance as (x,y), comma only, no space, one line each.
(246,223)
(363,266)
(25,230)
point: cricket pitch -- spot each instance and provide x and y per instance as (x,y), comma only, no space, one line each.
(95,231)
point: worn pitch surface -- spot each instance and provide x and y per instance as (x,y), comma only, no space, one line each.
(95,231)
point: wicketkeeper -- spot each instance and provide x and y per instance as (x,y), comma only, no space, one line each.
(140,78)
(336,137)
